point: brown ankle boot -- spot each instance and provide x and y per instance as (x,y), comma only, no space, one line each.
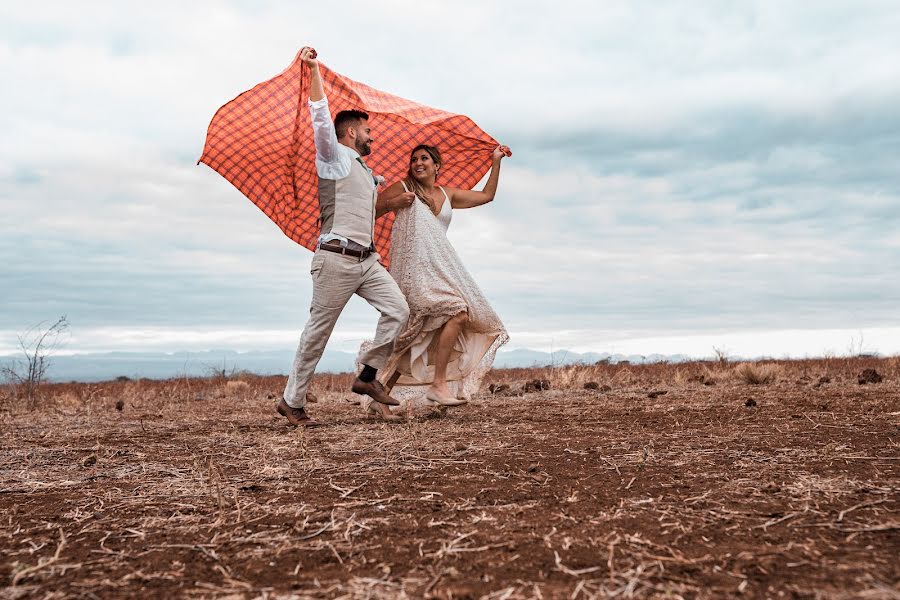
(295,416)
(374,390)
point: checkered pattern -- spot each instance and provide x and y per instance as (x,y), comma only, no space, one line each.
(262,142)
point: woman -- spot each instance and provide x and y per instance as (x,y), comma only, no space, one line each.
(453,333)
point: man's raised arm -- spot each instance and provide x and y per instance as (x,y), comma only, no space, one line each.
(323,127)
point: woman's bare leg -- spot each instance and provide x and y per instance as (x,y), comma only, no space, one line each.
(446,339)
(390,383)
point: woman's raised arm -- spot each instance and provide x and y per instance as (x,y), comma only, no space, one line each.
(472,198)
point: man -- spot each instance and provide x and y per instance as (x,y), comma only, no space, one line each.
(345,262)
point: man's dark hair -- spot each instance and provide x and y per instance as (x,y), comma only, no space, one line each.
(346,119)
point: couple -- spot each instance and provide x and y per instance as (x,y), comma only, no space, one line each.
(435,326)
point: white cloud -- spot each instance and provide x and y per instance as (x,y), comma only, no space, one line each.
(678,167)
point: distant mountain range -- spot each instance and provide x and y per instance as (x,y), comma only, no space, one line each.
(532,358)
(160,365)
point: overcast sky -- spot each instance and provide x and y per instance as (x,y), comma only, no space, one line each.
(685,174)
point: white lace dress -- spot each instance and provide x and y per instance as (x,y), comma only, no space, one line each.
(437,286)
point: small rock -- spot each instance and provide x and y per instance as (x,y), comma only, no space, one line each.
(120,404)
(824,380)
(657,393)
(89,460)
(592,385)
(605,388)
(750,403)
(869,376)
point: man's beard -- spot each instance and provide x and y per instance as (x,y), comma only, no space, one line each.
(364,148)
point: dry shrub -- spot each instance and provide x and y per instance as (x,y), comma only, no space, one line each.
(713,376)
(66,400)
(237,386)
(7,393)
(698,373)
(133,391)
(892,365)
(625,376)
(573,377)
(564,377)
(332,382)
(237,389)
(560,378)
(756,374)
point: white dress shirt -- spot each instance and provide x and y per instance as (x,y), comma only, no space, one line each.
(333,159)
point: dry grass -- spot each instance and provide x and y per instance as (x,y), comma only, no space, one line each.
(697,373)
(666,485)
(757,374)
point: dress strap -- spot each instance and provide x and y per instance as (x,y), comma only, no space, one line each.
(403,183)
(446,197)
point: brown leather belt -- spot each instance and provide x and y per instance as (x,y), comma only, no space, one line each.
(360,254)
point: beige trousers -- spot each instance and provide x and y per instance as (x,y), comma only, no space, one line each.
(335,279)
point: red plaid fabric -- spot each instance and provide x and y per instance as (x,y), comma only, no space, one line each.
(262,142)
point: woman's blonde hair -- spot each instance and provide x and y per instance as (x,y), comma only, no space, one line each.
(413,185)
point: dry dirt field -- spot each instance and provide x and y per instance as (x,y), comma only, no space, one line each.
(666,481)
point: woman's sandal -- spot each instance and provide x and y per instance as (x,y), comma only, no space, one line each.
(380,412)
(433,396)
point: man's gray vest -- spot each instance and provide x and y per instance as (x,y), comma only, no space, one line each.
(347,206)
